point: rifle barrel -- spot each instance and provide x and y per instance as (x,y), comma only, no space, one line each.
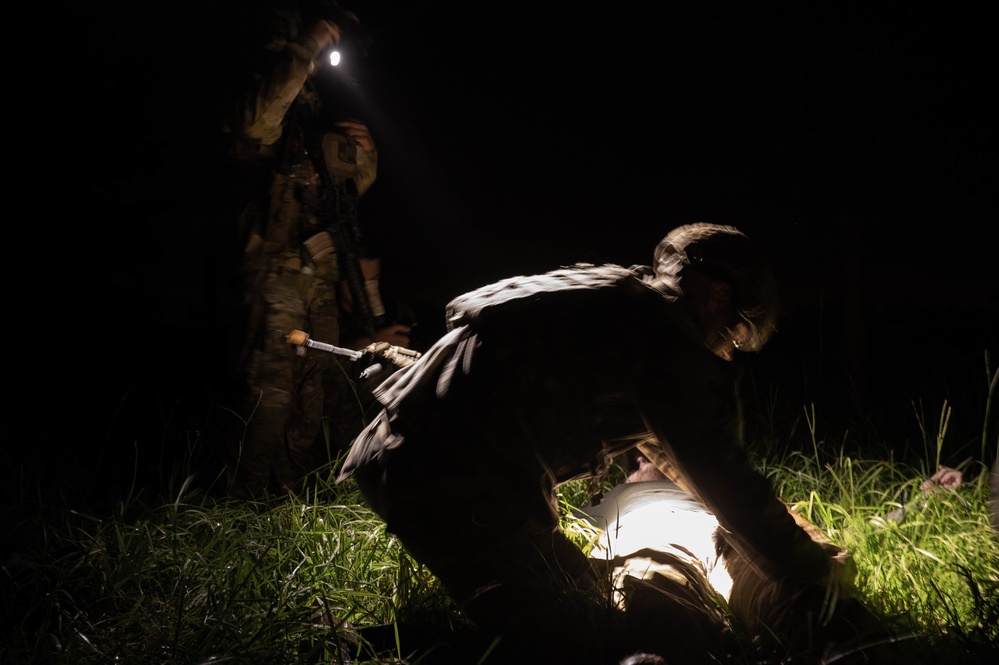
(301,338)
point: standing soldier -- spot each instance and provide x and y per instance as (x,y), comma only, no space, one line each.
(299,169)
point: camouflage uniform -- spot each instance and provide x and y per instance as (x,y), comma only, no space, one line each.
(282,287)
(539,381)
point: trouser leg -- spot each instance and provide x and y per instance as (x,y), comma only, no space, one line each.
(492,539)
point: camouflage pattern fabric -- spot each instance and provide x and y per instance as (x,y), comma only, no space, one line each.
(285,392)
(291,403)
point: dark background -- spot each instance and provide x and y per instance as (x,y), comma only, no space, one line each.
(855,141)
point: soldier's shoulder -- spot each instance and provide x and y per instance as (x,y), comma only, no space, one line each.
(573,281)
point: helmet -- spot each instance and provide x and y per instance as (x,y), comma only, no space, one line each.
(330,10)
(727,254)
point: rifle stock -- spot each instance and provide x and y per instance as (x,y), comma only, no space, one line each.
(338,210)
(347,239)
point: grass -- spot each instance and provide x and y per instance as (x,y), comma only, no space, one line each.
(179,576)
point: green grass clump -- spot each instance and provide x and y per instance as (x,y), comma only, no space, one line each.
(927,559)
(192,578)
(200,579)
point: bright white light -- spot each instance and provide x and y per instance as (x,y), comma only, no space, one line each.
(658,515)
(334,57)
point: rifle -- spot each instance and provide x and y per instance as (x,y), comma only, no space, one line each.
(372,355)
(338,208)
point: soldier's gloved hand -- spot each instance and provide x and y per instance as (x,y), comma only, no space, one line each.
(397,334)
(325,33)
(367,153)
(830,614)
(361,134)
(840,581)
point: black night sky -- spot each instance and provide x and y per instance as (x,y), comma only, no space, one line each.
(856,141)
